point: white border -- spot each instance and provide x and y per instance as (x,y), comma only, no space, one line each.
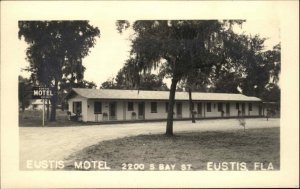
(286,11)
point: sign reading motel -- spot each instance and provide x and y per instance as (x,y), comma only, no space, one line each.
(42,93)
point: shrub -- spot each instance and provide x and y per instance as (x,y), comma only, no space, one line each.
(242,122)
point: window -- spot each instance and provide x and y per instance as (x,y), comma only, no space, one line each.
(220,107)
(250,106)
(167,106)
(237,106)
(153,107)
(208,107)
(97,108)
(130,106)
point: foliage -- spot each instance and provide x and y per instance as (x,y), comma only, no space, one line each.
(181,48)
(242,122)
(253,69)
(108,84)
(55,51)
(271,93)
(130,78)
(25,94)
(249,70)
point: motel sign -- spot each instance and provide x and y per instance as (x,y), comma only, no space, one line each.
(42,93)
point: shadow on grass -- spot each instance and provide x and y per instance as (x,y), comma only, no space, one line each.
(195,148)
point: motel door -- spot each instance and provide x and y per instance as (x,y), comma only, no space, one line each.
(141,110)
(77,108)
(259,110)
(112,111)
(199,109)
(243,109)
(179,109)
(227,109)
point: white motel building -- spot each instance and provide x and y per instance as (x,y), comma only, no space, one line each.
(101,105)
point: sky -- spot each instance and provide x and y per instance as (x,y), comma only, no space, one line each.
(111,51)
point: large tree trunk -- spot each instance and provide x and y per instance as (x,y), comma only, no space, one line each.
(191,106)
(169,130)
(54,103)
(63,105)
(22,94)
(47,110)
(23,104)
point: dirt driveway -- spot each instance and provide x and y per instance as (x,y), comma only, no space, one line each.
(57,143)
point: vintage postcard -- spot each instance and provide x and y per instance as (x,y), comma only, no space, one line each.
(149,94)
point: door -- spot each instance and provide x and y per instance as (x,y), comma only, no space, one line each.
(141,110)
(260,110)
(199,109)
(112,111)
(77,108)
(227,109)
(179,109)
(243,109)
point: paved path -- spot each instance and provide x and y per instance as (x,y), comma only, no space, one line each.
(57,143)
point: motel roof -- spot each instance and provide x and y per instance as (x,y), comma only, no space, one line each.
(119,94)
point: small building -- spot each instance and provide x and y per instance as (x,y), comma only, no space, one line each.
(35,104)
(38,104)
(100,105)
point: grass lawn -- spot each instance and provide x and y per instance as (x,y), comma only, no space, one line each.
(195,148)
(34,118)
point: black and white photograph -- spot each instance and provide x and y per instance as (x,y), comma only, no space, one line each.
(153,94)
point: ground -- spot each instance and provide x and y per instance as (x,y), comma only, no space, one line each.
(194,149)
(59,143)
(30,118)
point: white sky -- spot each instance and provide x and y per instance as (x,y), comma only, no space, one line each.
(112,49)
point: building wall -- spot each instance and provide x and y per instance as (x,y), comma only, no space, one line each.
(161,110)
(84,111)
(232,109)
(128,114)
(91,116)
(122,112)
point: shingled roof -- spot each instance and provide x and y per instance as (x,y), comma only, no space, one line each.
(119,94)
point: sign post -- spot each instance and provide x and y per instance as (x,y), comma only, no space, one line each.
(42,93)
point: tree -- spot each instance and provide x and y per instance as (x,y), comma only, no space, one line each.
(130,77)
(25,94)
(272,60)
(251,70)
(146,82)
(271,93)
(152,82)
(180,47)
(109,84)
(66,86)
(55,51)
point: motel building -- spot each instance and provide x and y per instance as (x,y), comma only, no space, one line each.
(102,105)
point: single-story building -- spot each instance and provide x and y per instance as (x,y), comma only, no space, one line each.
(35,104)
(98,105)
